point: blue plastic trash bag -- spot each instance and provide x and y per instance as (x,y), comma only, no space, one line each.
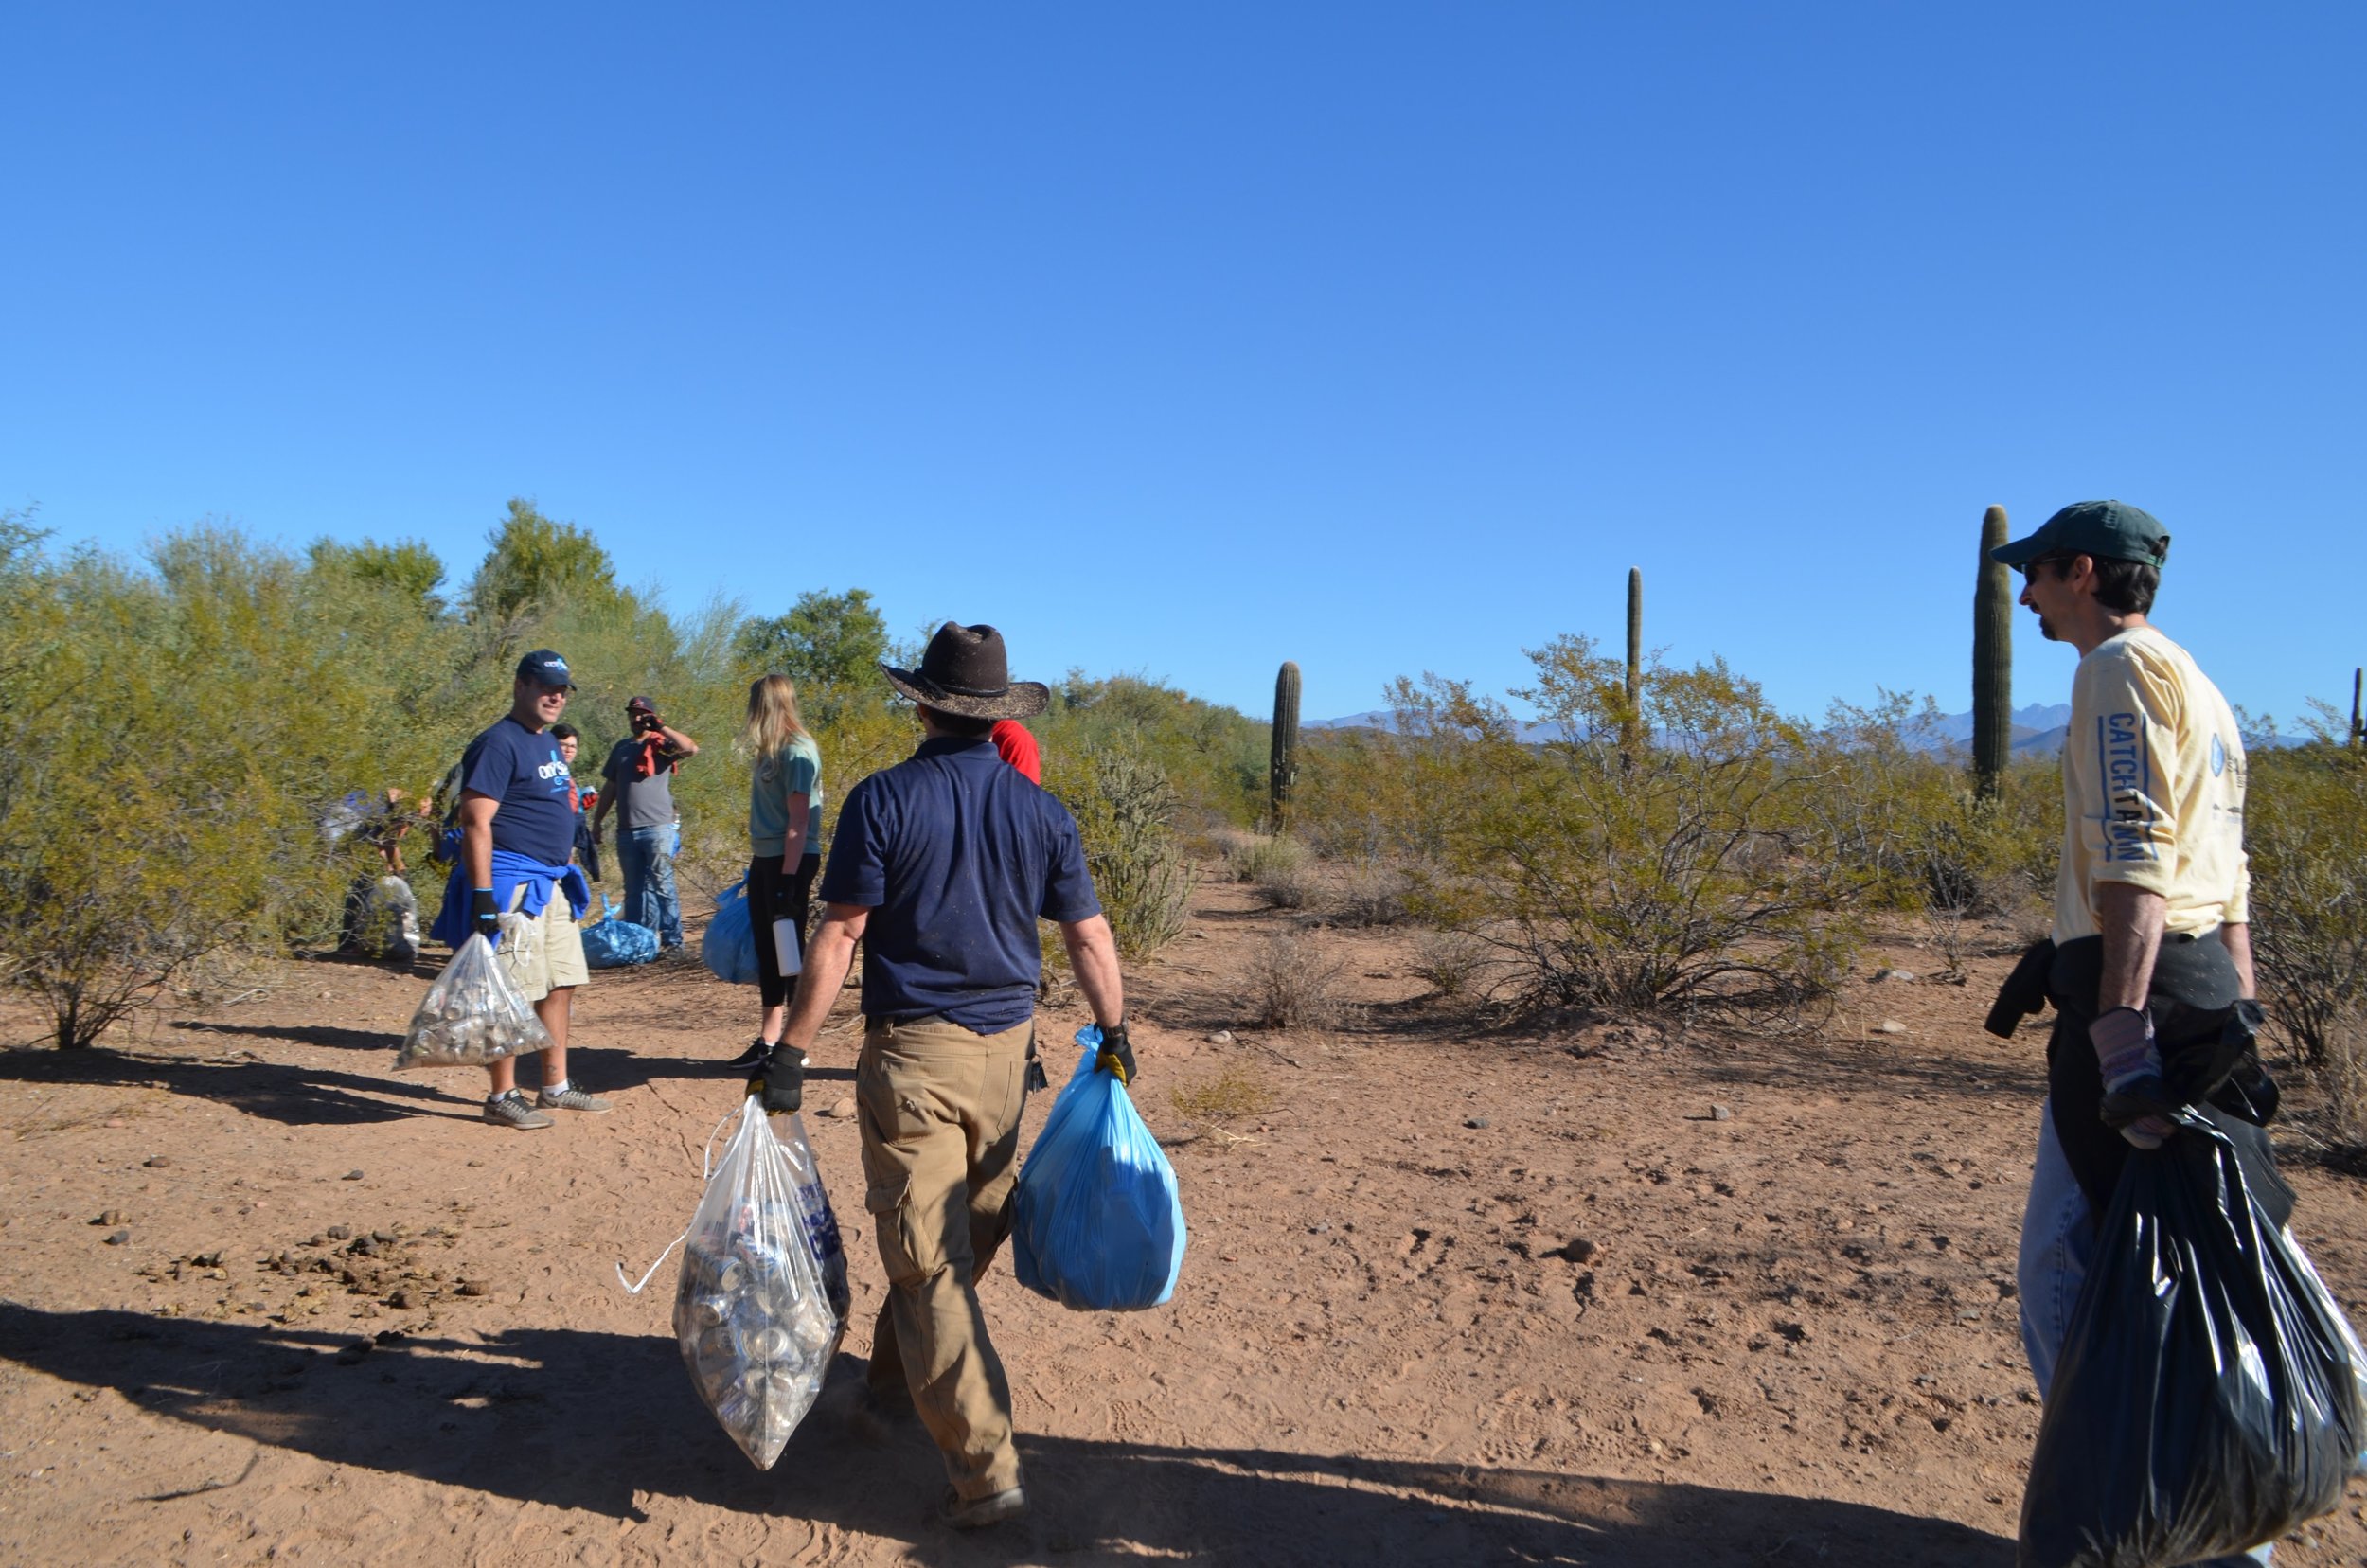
(729,945)
(612,943)
(1098,1226)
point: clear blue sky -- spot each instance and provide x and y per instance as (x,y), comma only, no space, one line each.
(1185,338)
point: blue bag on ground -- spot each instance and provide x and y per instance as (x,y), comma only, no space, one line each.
(729,944)
(2208,1397)
(612,943)
(1098,1225)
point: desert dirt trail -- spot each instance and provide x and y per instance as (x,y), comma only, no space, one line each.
(1455,1296)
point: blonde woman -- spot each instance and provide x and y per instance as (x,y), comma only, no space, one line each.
(784,840)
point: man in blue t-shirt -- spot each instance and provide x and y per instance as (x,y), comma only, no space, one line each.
(512,882)
(941,866)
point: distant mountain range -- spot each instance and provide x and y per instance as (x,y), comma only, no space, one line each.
(2038,729)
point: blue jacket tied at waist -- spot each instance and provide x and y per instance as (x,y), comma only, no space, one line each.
(512,870)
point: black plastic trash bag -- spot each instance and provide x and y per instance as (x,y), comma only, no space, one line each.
(2208,1397)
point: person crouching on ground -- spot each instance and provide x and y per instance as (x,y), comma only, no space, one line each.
(784,843)
(941,866)
(516,829)
(2152,903)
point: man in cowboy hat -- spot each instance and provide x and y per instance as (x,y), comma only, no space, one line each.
(941,866)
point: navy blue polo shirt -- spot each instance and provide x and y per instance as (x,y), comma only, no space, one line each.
(956,855)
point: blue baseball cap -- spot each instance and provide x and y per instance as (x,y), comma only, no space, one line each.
(2109,531)
(544,667)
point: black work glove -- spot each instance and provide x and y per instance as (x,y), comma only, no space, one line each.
(784,900)
(485,916)
(779,1081)
(1117,1053)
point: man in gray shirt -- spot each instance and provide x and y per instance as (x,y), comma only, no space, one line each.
(639,774)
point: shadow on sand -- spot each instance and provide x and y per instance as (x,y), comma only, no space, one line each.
(589,1420)
(291,1095)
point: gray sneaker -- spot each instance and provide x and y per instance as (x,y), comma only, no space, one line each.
(570,1098)
(511,1110)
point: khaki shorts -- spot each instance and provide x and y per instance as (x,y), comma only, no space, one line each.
(551,957)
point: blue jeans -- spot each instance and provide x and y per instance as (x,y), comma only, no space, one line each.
(2058,1241)
(649,870)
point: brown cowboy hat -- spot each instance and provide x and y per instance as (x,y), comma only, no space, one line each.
(964,672)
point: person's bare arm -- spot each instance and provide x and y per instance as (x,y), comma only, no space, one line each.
(2132,920)
(1093,958)
(679,744)
(477,837)
(827,958)
(2236,935)
(793,842)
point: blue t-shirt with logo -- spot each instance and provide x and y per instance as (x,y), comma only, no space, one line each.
(523,770)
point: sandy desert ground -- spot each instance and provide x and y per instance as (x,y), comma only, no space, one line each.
(1456,1294)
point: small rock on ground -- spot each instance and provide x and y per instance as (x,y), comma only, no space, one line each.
(1481,1123)
(1223,1037)
(842,1110)
(1890,1026)
(1882,974)
(1721,1113)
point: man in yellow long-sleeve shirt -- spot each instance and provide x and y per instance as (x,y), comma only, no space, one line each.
(2152,903)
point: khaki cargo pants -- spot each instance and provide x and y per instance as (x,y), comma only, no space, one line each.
(940,1154)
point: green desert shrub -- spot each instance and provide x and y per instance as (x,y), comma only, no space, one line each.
(2307,829)
(178,735)
(1697,877)
(1213,758)
(1125,809)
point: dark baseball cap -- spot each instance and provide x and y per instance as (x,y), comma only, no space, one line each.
(2109,531)
(544,667)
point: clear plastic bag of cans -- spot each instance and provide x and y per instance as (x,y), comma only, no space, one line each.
(471,1015)
(763,1295)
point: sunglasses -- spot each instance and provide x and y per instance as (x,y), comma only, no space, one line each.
(2030,568)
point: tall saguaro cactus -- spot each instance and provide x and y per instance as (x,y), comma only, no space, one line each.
(1992,660)
(1284,770)
(1631,729)
(2358,723)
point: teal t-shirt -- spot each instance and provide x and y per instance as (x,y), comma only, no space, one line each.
(795,769)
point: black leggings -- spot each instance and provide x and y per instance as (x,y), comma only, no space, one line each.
(764,875)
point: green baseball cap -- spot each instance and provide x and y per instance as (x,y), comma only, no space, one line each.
(2109,531)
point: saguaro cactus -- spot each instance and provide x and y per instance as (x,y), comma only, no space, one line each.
(1992,660)
(1631,728)
(1283,772)
(2358,724)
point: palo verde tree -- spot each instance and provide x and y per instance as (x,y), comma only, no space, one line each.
(825,639)
(533,563)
